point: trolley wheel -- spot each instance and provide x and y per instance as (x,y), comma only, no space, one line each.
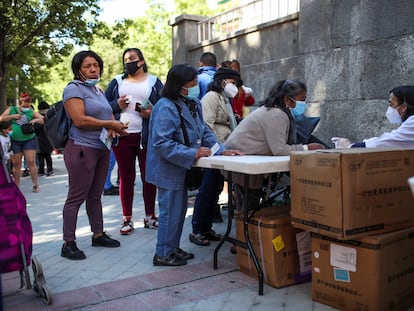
(37,267)
(46,293)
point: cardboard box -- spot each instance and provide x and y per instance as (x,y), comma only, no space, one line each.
(352,193)
(274,241)
(372,274)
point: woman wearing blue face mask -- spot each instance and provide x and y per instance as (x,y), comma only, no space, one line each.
(400,111)
(271,129)
(23,143)
(86,154)
(169,157)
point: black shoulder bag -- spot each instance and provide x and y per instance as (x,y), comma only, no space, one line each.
(194,176)
(57,125)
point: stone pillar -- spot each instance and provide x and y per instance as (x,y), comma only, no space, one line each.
(184,34)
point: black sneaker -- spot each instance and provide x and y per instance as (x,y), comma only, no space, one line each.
(199,239)
(212,235)
(71,251)
(171,260)
(183,254)
(111,191)
(105,241)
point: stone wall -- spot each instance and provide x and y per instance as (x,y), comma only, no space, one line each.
(349,53)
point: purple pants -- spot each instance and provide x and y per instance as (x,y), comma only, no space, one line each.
(126,153)
(87,168)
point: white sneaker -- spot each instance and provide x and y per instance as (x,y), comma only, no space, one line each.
(127,227)
(151,223)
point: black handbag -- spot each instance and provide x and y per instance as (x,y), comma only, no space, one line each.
(57,125)
(27,128)
(194,176)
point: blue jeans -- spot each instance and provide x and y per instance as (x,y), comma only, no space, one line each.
(108,183)
(172,206)
(206,200)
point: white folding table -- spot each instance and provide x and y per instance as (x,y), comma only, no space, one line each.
(247,165)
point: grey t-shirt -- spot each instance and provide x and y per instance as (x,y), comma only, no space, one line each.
(96,105)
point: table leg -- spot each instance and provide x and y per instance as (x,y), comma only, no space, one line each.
(230,213)
(248,244)
(246,233)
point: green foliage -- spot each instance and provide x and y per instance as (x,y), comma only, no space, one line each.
(41,37)
(192,7)
(34,35)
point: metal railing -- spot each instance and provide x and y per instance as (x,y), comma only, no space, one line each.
(251,14)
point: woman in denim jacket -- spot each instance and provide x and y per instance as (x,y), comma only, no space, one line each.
(169,157)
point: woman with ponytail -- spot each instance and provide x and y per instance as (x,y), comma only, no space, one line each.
(271,129)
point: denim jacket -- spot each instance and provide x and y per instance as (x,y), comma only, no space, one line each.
(168,158)
(112,94)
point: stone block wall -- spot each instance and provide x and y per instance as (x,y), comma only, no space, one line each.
(349,53)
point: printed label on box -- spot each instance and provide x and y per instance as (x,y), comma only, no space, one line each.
(343,257)
(278,243)
(341,275)
(304,243)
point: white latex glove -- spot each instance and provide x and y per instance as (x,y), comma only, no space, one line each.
(247,90)
(341,143)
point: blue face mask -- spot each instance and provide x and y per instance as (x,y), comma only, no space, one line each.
(193,92)
(92,82)
(299,109)
(10,133)
(24,109)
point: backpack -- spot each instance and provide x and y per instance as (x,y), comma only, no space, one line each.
(57,125)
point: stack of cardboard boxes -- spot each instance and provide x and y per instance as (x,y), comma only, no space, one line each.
(283,251)
(358,205)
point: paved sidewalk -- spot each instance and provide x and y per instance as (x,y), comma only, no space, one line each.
(124,278)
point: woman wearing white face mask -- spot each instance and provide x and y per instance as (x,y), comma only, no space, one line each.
(218,115)
(400,111)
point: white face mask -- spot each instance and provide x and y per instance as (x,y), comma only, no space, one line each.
(230,90)
(393,115)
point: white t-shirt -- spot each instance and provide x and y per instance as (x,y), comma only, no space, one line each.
(138,92)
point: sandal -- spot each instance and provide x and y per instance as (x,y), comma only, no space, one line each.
(36,189)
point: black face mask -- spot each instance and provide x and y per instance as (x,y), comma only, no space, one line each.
(131,68)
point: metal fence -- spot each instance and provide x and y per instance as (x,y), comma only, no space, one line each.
(252,14)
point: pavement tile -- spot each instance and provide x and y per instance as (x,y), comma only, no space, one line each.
(75,299)
(206,268)
(134,303)
(168,277)
(171,296)
(215,285)
(122,288)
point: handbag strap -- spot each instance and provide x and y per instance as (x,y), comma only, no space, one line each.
(186,140)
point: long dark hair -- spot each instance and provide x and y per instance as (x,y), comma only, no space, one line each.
(276,97)
(177,76)
(140,55)
(216,85)
(405,94)
(283,88)
(78,59)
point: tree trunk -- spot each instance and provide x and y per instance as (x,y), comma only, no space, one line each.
(3,88)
